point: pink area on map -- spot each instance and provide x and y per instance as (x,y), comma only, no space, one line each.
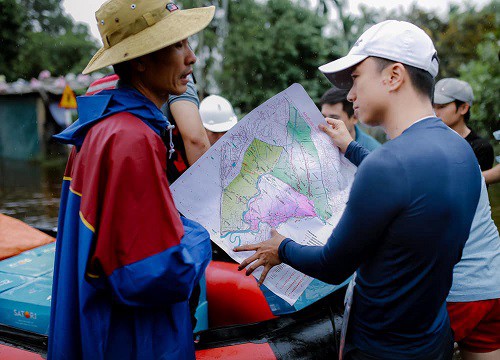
(276,203)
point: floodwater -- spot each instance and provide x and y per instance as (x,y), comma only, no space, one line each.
(30,192)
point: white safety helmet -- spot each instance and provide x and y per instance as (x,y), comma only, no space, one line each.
(217,114)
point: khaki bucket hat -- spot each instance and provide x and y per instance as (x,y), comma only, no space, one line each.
(132,28)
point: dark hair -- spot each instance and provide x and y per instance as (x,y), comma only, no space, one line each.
(334,96)
(123,71)
(459,103)
(422,80)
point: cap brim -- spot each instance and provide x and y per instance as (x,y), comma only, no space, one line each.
(179,25)
(442,99)
(338,71)
(217,128)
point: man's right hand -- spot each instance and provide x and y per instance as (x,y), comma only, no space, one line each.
(338,132)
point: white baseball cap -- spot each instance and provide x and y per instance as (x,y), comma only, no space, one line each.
(394,40)
(217,114)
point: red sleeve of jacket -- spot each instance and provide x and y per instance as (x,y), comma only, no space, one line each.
(125,195)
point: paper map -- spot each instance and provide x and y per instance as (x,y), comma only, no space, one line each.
(274,169)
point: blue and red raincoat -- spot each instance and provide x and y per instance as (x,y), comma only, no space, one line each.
(126,262)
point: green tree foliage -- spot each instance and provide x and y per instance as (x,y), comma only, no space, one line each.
(61,54)
(483,73)
(38,35)
(209,45)
(270,46)
(349,27)
(254,49)
(47,16)
(456,36)
(12,33)
(465,30)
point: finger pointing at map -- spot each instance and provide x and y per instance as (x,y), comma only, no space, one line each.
(266,254)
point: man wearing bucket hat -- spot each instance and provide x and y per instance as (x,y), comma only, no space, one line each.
(413,231)
(218,117)
(452,102)
(126,262)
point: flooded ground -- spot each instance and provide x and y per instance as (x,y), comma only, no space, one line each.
(30,192)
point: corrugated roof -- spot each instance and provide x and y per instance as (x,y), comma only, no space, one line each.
(46,83)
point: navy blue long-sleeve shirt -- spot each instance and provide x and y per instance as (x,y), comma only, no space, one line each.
(404,227)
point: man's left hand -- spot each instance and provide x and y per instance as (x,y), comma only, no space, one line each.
(266,254)
(337,131)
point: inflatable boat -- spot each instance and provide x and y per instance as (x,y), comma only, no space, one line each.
(234,319)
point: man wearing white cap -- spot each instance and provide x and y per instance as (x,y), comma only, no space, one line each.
(452,102)
(126,262)
(473,302)
(218,117)
(413,230)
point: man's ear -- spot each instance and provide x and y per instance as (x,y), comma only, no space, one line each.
(395,75)
(462,109)
(353,119)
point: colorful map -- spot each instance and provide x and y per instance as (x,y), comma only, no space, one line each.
(259,159)
(276,183)
(276,203)
(274,169)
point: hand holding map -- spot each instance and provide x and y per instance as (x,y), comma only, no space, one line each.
(266,254)
(337,131)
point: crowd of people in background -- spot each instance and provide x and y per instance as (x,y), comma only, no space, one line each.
(417,229)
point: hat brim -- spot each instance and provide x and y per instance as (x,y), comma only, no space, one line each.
(338,71)
(217,128)
(441,99)
(179,25)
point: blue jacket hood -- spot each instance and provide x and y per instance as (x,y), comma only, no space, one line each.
(95,108)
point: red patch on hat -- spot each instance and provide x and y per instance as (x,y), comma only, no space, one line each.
(172,7)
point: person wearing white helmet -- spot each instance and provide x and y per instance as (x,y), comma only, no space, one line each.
(218,117)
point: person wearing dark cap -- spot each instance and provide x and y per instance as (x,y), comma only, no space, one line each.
(126,262)
(452,102)
(334,104)
(413,231)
